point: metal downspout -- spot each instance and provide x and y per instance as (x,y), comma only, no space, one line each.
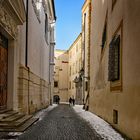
(26,50)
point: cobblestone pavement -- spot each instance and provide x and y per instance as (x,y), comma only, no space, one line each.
(61,123)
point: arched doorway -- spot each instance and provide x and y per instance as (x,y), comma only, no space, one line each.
(56,99)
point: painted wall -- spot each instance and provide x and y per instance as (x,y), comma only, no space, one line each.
(75,64)
(123,96)
(35,81)
(61,74)
(86,21)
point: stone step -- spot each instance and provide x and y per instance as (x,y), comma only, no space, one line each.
(12,118)
(7,114)
(22,120)
(15,123)
(22,127)
(4,111)
(26,125)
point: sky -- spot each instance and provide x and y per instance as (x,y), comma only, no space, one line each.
(68,22)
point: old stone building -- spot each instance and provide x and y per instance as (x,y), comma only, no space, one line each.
(115,65)
(86,21)
(61,76)
(75,65)
(26,54)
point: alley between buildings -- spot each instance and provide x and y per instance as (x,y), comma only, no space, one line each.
(61,123)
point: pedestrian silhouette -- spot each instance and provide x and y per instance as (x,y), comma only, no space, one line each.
(73,101)
(70,101)
(58,100)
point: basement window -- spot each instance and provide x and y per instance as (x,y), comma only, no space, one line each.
(115,116)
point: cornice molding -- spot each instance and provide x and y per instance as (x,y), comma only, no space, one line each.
(7,23)
(16,10)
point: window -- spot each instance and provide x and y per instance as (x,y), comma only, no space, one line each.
(113,3)
(76,66)
(86,88)
(55,83)
(46,27)
(115,116)
(70,71)
(69,54)
(70,85)
(79,64)
(114,59)
(104,36)
(77,48)
(73,69)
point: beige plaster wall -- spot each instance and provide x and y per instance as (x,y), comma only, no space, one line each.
(33,81)
(75,64)
(86,21)
(126,101)
(61,74)
(38,49)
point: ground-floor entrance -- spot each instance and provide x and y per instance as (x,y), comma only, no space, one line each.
(3,71)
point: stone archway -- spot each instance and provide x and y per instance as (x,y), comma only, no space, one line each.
(56,99)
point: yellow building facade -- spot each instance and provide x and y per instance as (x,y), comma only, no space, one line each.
(61,76)
(86,25)
(114,64)
(75,65)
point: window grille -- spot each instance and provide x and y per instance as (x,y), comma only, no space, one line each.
(114,59)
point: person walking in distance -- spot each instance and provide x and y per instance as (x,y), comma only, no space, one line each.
(73,101)
(70,101)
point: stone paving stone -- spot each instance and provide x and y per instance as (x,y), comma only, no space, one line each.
(61,123)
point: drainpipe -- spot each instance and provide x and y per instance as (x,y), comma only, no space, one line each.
(26,50)
(51,57)
(50,74)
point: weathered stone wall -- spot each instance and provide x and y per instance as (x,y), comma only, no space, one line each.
(32,91)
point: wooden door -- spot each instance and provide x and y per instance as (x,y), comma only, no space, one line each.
(3,71)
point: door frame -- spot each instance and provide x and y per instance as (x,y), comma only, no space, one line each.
(4,45)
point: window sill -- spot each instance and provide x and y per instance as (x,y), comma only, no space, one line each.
(116,86)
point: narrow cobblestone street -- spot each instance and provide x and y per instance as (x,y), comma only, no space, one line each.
(62,123)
